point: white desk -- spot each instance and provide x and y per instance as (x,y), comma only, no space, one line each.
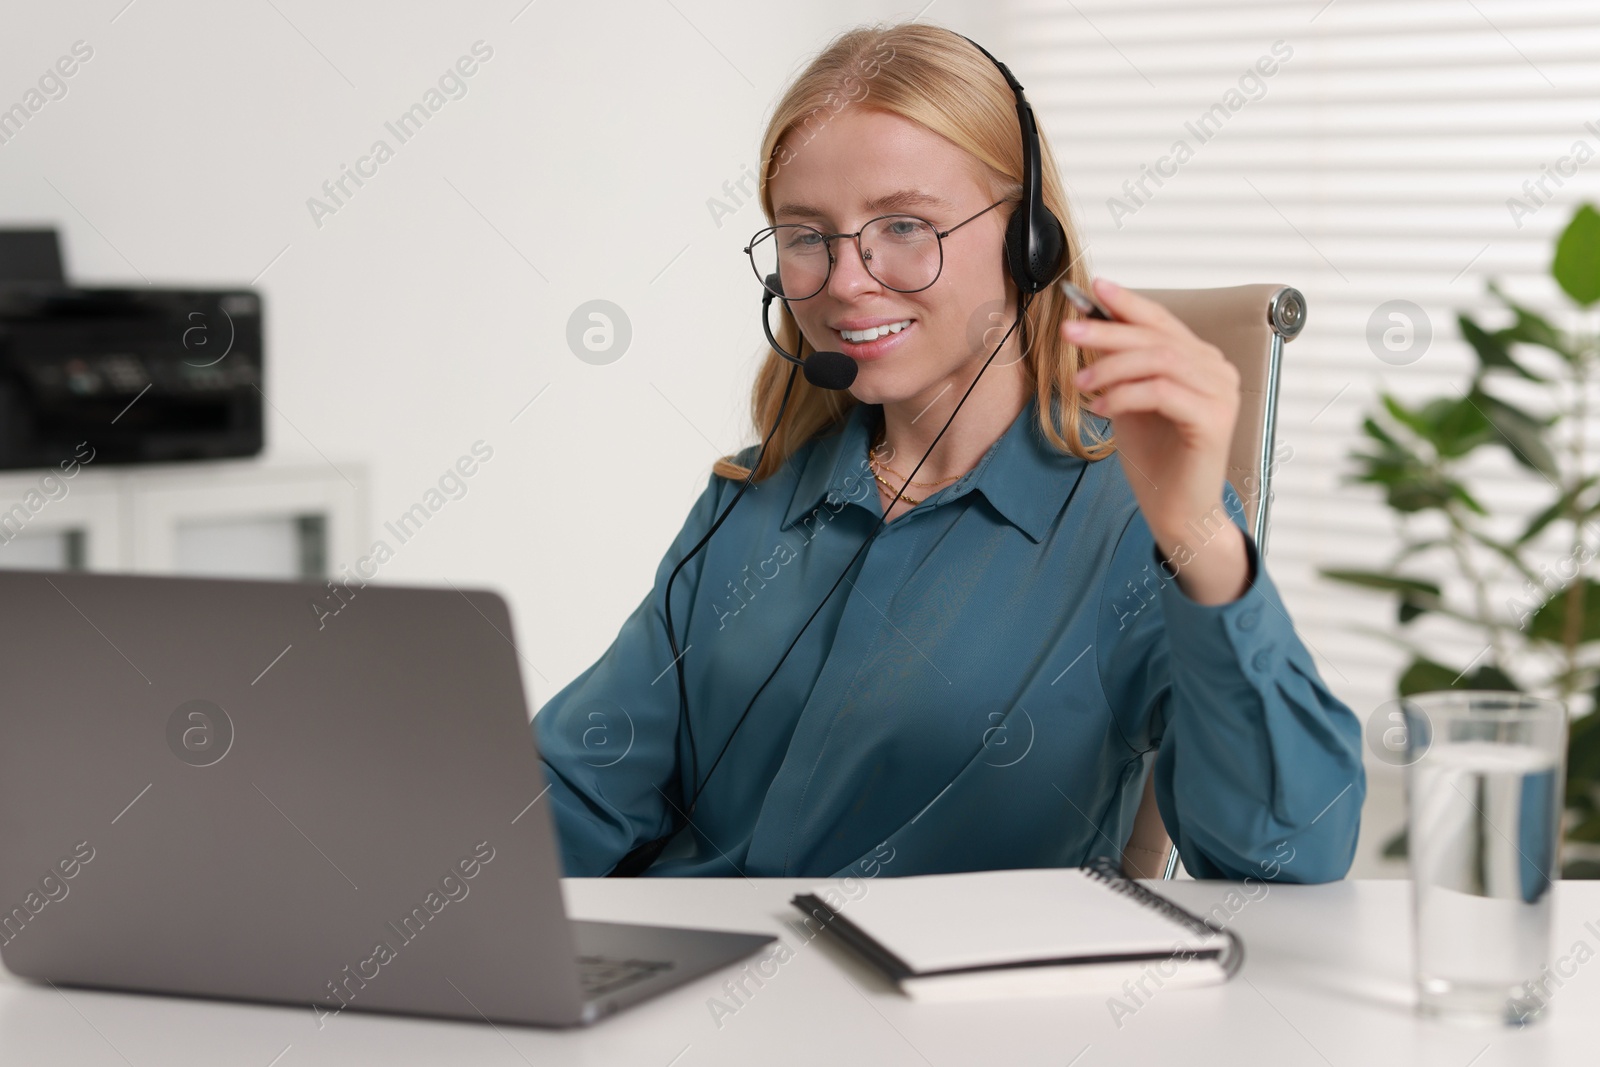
(1326,981)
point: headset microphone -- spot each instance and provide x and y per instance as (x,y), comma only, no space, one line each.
(825,370)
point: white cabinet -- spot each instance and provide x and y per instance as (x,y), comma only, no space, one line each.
(238,518)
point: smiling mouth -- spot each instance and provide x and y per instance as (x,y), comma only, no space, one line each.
(867,336)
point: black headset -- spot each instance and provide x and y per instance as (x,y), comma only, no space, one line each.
(1035,239)
(1035,246)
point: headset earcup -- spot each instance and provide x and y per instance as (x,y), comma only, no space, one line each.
(1033,272)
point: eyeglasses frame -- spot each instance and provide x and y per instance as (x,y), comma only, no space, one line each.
(829,238)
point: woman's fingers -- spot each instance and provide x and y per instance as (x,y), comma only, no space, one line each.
(1200,375)
(1151,361)
(1107,336)
(1174,400)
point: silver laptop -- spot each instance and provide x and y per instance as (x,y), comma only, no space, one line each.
(273,791)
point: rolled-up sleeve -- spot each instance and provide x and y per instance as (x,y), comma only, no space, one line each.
(1258,771)
(609,739)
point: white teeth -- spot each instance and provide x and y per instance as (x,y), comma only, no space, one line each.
(863,336)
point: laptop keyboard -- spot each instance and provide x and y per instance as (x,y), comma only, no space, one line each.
(604,974)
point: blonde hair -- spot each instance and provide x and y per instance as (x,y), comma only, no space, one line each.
(936,78)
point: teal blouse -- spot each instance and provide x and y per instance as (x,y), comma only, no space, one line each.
(987,689)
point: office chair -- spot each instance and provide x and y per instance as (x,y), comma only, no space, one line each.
(1250,323)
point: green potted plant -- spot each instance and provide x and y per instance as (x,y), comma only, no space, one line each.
(1544,640)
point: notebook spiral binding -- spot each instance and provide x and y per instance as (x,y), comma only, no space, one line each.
(1105,869)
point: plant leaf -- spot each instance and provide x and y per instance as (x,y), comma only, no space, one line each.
(1532,328)
(1419,546)
(1459,492)
(1409,485)
(1459,425)
(1583,761)
(1587,830)
(1521,433)
(1493,353)
(1426,676)
(1391,583)
(1417,496)
(1576,266)
(1377,432)
(1550,514)
(1489,676)
(1414,421)
(1549,620)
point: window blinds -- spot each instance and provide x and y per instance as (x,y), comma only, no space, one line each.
(1363,152)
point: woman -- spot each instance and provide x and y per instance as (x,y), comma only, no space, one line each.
(1017,629)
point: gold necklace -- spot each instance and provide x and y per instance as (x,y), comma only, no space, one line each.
(874,462)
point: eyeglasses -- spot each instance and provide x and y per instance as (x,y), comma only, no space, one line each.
(903,252)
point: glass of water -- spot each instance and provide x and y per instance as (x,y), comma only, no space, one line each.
(1485,780)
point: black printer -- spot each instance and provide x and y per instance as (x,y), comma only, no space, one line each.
(143,375)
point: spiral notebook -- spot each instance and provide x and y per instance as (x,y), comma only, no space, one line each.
(1038,932)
